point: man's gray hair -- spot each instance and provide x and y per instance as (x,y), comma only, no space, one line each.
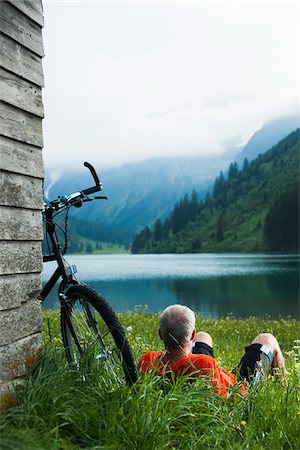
(176,324)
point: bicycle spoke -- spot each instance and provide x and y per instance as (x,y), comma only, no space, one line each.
(83,320)
(100,335)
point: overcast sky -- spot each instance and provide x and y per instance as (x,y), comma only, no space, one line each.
(129,80)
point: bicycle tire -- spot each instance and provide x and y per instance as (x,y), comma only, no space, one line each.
(99,332)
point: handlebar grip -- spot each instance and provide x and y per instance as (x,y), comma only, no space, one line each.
(91,190)
(93,172)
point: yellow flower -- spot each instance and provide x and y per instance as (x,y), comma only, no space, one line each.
(243,422)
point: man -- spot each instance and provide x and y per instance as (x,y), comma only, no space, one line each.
(190,353)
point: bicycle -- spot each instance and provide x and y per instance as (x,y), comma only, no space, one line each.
(90,329)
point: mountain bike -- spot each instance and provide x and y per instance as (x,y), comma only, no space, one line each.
(91,331)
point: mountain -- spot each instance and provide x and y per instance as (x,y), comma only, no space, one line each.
(269,134)
(138,194)
(255,209)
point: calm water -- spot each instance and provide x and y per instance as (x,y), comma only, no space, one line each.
(214,285)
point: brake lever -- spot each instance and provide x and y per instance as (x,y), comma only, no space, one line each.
(102,197)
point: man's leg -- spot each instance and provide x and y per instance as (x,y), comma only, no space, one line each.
(264,351)
(271,342)
(203,344)
(202,336)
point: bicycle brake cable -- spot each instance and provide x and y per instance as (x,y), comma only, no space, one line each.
(66,231)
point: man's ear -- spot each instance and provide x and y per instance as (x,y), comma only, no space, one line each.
(193,335)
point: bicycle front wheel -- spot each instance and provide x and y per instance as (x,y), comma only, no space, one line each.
(93,336)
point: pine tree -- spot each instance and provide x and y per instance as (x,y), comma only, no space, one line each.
(233,171)
(245,164)
(158,230)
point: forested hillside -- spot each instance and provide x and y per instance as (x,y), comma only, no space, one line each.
(143,191)
(138,194)
(254,209)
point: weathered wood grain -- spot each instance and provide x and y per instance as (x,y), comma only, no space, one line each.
(16,358)
(20,224)
(18,289)
(20,322)
(21,191)
(15,24)
(15,156)
(21,61)
(20,257)
(31,8)
(21,93)
(20,125)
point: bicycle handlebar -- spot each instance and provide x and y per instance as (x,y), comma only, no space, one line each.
(98,185)
(77,197)
(93,171)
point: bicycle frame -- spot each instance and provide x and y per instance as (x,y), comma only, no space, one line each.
(64,270)
(67,273)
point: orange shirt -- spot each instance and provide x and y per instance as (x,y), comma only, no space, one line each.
(192,365)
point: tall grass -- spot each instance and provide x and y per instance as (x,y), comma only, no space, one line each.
(60,409)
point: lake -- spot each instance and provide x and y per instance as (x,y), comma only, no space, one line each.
(214,285)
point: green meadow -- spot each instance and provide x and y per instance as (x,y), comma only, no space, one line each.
(60,409)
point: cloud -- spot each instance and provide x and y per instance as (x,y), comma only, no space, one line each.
(128,81)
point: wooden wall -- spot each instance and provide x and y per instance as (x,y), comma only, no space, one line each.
(21,187)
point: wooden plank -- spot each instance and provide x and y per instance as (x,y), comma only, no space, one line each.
(18,289)
(21,93)
(31,8)
(21,28)
(20,224)
(20,191)
(21,158)
(21,61)
(20,125)
(20,322)
(15,359)
(20,257)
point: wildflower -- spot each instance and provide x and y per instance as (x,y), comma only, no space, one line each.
(243,422)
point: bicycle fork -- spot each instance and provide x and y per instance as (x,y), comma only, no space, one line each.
(91,323)
(64,303)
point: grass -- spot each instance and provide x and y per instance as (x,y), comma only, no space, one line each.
(101,248)
(58,409)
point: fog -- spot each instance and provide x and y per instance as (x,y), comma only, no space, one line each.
(126,81)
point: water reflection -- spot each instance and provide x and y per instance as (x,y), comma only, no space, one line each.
(256,295)
(214,286)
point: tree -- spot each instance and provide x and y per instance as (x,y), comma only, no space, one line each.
(158,230)
(141,239)
(281,228)
(89,248)
(98,246)
(218,185)
(176,218)
(220,227)
(233,171)
(245,165)
(194,205)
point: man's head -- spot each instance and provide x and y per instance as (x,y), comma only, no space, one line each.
(176,326)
